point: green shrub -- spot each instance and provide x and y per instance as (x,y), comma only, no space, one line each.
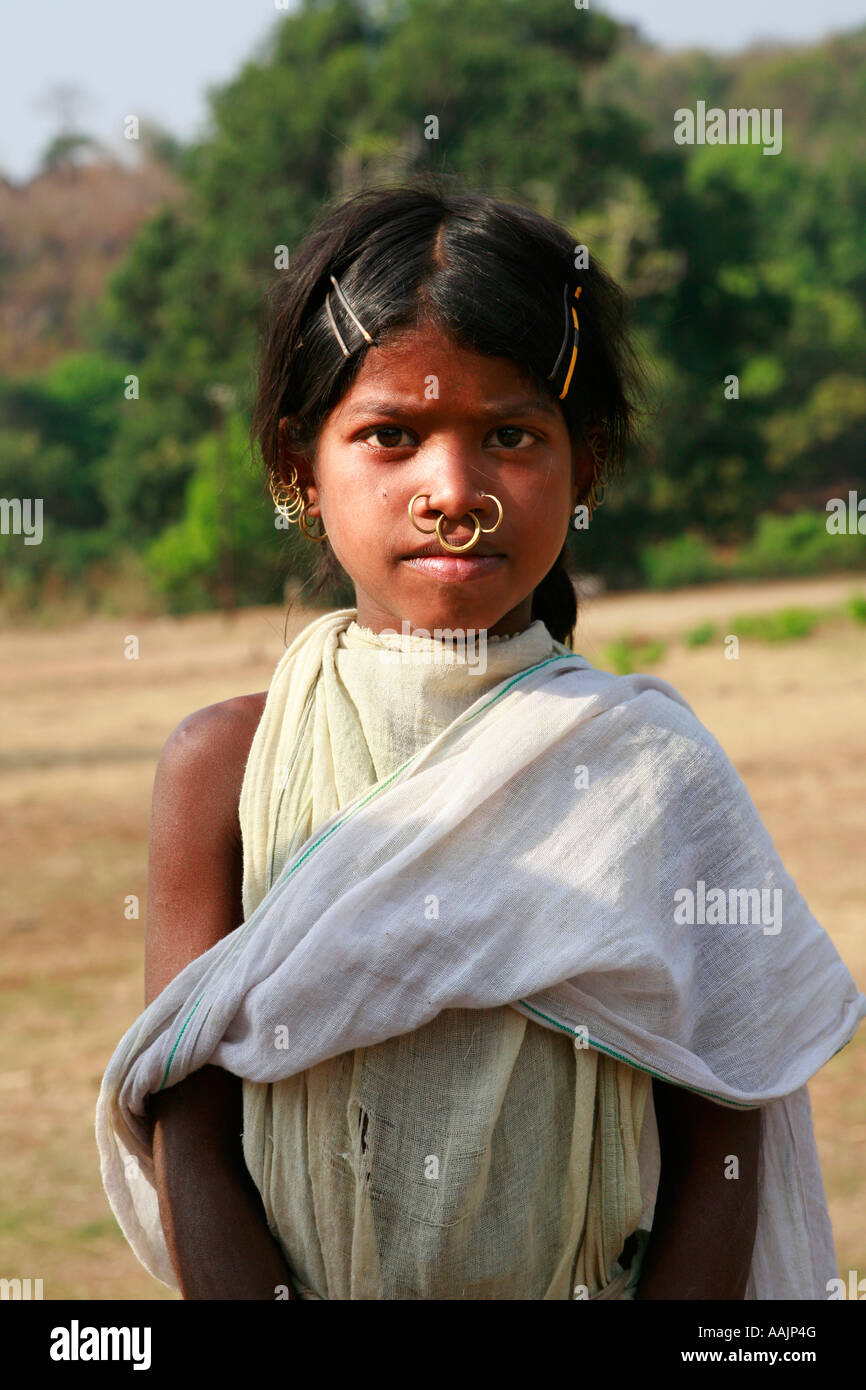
(856,606)
(626,655)
(701,635)
(785,625)
(780,546)
(798,544)
(226,510)
(685,560)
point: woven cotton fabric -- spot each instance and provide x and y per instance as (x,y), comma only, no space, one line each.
(574,925)
(482,1156)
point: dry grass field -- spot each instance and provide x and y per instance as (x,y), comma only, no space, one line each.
(82,728)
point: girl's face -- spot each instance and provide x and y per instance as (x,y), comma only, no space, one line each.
(427,416)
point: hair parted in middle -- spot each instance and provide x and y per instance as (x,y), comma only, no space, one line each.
(489,274)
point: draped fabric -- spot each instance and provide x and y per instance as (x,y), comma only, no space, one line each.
(596,864)
(481,1156)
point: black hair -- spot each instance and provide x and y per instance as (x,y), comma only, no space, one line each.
(491,275)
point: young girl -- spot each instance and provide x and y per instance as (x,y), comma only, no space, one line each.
(514,1011)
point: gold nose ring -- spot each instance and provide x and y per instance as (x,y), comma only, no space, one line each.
(456,549)
(425,530)
(487,529)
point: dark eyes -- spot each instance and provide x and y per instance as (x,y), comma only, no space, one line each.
(395,430)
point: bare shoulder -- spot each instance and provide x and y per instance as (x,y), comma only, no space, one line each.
(195,862)
(205,755)
(227,721)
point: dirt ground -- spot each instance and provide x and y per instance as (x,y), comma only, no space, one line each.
(82,728)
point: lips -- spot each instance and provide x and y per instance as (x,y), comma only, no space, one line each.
(451,569)
(433,548)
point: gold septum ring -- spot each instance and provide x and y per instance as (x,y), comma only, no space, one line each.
(446,545)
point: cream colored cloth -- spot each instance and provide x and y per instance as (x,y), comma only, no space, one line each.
(640,905)
(481,1156)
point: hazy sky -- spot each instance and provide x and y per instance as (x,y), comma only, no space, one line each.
(157,59)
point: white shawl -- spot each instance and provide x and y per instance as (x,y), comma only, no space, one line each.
(559,826)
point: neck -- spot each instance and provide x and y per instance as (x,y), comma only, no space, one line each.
(510,625)
(459,666)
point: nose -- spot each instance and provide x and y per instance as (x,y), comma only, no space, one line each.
(454,484)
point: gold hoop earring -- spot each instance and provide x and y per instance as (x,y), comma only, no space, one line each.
(287,498)
(598,487)
(595,497)
(456,549)
(302,523)
(289,501)
(287,505)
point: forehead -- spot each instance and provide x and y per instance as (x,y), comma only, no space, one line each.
(426,369)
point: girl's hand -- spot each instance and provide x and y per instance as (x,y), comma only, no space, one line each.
(705,1218)
(211,1211)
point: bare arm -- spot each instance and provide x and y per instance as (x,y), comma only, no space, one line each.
(211,1211)
(704,1225)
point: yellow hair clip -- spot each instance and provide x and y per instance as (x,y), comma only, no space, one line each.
(575,340)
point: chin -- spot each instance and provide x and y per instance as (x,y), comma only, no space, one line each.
(463,616)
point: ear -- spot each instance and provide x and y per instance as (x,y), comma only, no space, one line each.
(585,462)
(601,443)
(582,465)
(290,456)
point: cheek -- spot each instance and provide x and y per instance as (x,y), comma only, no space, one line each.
(545,501)
(360,523)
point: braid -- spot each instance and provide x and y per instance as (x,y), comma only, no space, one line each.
(555,602)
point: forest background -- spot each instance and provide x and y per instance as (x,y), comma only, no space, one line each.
(153,267)
(739,265)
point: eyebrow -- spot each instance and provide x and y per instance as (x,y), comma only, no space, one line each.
(527,405)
